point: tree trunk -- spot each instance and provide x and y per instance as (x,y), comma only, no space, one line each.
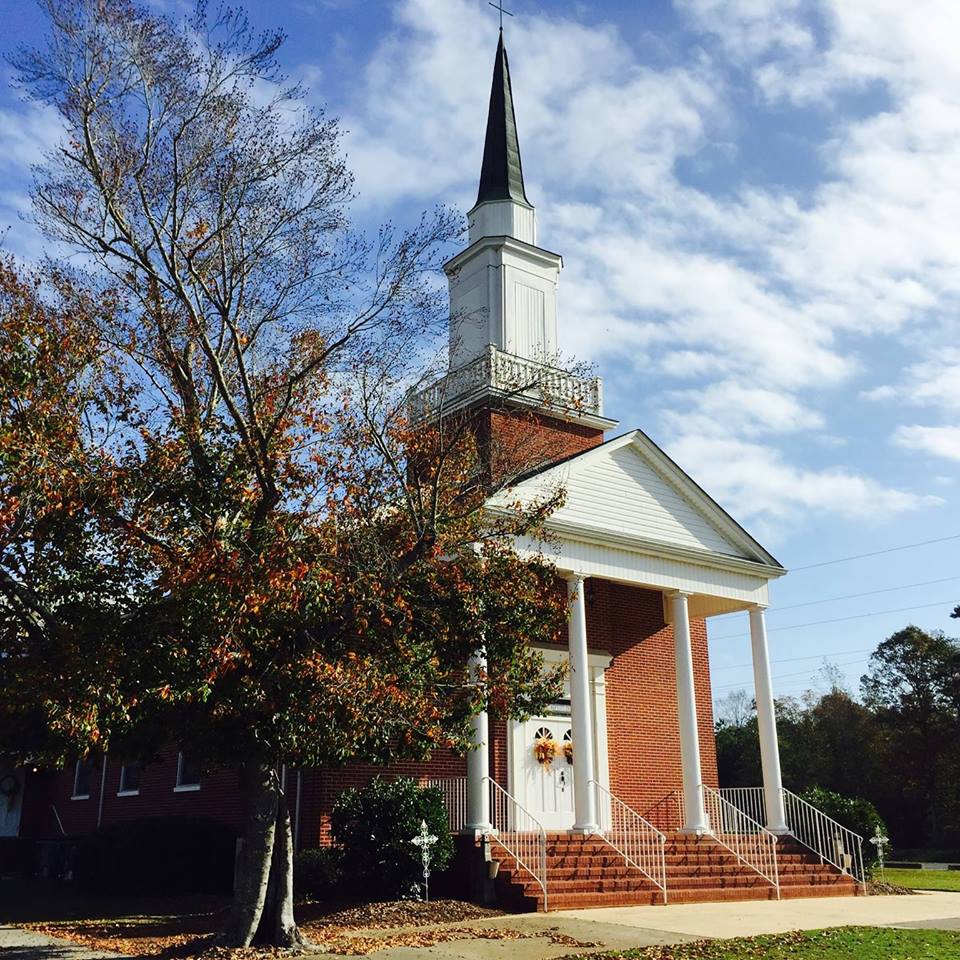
(260,792)
(278,928)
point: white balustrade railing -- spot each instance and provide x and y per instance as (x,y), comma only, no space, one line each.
(751,800)
(824,836)
(520,834)
(454,790)
(747,839)
(509,375)
(637,840)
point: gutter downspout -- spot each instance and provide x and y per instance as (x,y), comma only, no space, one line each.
(297,805)
(103,785)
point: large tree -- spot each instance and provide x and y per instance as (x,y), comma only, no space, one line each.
(249,544)
(911,687)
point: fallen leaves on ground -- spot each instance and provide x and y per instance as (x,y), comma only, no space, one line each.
(362,945)
(880,888)
(394,913)
(346,932)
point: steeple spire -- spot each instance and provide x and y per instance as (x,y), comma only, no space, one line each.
(501,176)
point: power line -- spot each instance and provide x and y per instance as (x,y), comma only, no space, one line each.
(798,673)
(857,616)
(868,593)
(876,553)
(848,596)
(813,656)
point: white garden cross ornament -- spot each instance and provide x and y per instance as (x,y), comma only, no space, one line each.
(879,841)
(425,840)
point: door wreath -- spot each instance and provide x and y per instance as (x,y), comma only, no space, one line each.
(545,748)
(9,788)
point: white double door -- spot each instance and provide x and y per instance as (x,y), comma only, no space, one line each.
(11,801)
(547,771)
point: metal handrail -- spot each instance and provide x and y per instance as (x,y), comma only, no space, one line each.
(520,834)
(454,790)
(637,840)
(749,841)
(751,800)
(828,839)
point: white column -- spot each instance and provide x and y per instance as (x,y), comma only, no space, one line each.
(478,762)
(694,815)
(584,794)
(767,723)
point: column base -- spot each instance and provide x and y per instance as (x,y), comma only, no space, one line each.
(478,830)
(696,831)
(585,830)
(780,831)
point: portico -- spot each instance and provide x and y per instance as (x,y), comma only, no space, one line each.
(704,565)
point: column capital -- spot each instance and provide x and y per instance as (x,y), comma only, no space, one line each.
(575,577)
(758,607)
(677,594)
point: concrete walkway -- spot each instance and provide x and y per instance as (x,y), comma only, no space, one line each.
(17,944)
(619,928)
(613,928)
(751,917)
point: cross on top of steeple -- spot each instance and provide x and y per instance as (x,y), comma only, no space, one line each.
(499,7)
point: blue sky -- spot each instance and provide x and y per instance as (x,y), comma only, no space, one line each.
(758,204)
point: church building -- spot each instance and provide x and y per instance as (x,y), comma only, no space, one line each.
(611,796)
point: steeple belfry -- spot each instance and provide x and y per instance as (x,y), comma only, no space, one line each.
(503,293)
(503,287)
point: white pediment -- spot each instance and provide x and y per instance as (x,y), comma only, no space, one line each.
(631,491)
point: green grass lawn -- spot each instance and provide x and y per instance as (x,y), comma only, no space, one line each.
(924,879)
(840,943)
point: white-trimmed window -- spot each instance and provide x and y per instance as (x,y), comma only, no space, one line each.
(188,774)
(130,775)
(82,774)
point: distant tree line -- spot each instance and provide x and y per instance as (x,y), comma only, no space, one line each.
(896,745)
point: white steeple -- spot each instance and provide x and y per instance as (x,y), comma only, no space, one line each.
(503,287)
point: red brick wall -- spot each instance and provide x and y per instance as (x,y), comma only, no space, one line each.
(642,731)
(334,781)
(642,727)
(521,441)
(218,798)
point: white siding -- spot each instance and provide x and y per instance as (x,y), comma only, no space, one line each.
(734,590)
(623,494)
(529,328)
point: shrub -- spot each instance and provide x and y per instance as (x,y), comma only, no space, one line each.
(373,826)
(854,813)
(317,873)
(160,855)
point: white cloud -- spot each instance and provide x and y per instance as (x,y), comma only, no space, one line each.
(748,29)
(939,441)
(727,407)
(754,481)
(734,319)
(26,135)
(748,304)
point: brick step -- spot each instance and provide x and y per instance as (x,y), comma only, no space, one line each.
(674,880)
(717,850)
(718,857)
(531,888)
(616,873)
(694,883)
(621,884)
(653,897)
(579,901)
(786,869)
